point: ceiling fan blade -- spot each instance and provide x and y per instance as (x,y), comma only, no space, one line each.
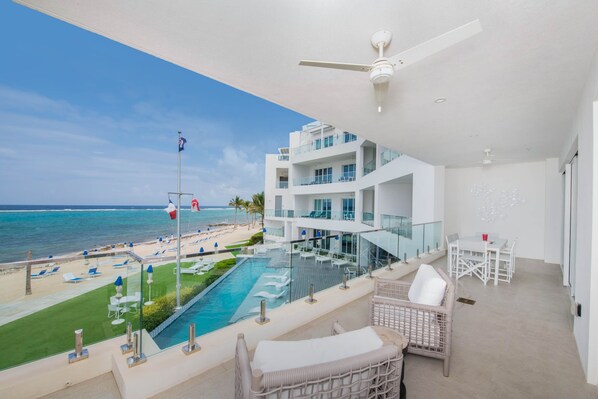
(435,45)
(336,65)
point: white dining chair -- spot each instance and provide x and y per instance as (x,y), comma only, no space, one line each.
(473,262)
(452,248)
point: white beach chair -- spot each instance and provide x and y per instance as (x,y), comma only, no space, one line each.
(70,278)
(267,295)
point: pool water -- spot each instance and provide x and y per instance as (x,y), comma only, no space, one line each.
(221,305)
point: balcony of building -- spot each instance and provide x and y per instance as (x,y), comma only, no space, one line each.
(321,147)
(514,341)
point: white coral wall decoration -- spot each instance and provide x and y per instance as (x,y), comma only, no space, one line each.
(495,204)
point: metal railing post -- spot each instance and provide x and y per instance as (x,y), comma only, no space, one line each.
(344,285)
(128,346)
(137,357)
(311,300)
(191,346)
(80,353)
(262,319)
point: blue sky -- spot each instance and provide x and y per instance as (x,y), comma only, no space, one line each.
(84,120)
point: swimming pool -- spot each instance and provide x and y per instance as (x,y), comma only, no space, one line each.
(229,301)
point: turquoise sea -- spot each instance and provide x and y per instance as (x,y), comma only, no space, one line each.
(61,229)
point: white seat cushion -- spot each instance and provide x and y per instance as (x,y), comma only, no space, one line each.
(284,355)
(427,287)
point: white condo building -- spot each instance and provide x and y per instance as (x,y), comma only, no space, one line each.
(333,182)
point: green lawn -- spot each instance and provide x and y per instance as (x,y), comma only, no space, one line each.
(243,244)
(50,330)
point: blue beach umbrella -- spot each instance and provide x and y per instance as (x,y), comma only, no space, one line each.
(303,233)
(337,237)
(264,230)
(50,256)
(130,245)
(85,253)
(319,234)
(118,283)
(199,230)
(201,250)
(161,239)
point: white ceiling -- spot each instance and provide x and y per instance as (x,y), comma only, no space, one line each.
(513,88)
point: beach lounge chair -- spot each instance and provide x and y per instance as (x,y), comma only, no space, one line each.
(267,295)
(70,278)
(206,268)
(123,264)
(191,270)
(278,285)
(93,272)
(307,255)
(280,277)
(40,274)
(340,262)
(322,258)
(54,270)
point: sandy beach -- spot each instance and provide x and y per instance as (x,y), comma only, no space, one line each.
(53,289)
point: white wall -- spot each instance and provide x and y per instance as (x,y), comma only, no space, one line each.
(395,199)
(525,221)
(553,213)
(585,328)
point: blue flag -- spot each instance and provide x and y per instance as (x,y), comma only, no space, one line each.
(182,142)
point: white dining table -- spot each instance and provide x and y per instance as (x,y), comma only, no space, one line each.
(476,244)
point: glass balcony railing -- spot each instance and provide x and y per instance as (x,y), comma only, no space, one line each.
(283,157)
(331,215)
(369,167)
(121,288)
(274,231)
(398,224)
(326,179)
(282,184)
(325,142)
(367,218)
(279,213)
(388,155)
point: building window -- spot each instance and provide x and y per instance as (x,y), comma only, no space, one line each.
(323,175)
(349,172)
(328,141)
(348,208)
(322,209)
(348,137)
(318,144)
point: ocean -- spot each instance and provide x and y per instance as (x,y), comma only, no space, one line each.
(60,229)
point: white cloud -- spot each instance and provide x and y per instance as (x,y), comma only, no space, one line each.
(53,152)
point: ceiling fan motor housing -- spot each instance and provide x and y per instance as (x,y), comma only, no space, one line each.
(381,72)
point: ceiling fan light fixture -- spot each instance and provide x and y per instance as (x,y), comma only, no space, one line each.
(440,100)
(487,162)
(381,91)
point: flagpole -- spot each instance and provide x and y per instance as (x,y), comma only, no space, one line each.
(178,231)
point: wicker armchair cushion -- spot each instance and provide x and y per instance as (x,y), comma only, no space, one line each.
(428,287)
(283,355)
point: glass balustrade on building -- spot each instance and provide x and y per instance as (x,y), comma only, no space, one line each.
(325,179)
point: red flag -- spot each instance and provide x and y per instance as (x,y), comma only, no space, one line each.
(171,210)
(194,205)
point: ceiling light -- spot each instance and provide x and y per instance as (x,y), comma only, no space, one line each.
(487,161)
(440,100)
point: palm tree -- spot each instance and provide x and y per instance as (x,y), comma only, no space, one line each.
(258,204)
(247,208)
(237,203)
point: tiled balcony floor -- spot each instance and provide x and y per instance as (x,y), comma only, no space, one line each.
(515,342)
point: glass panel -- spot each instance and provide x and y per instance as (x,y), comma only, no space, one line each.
(369,167)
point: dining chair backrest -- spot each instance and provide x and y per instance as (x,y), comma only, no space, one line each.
(114,301)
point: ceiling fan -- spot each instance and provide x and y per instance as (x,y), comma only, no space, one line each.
(382,69)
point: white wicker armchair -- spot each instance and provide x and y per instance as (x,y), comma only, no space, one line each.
(374,374)
(428,328)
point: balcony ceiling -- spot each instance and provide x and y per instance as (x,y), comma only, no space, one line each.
(513,88)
